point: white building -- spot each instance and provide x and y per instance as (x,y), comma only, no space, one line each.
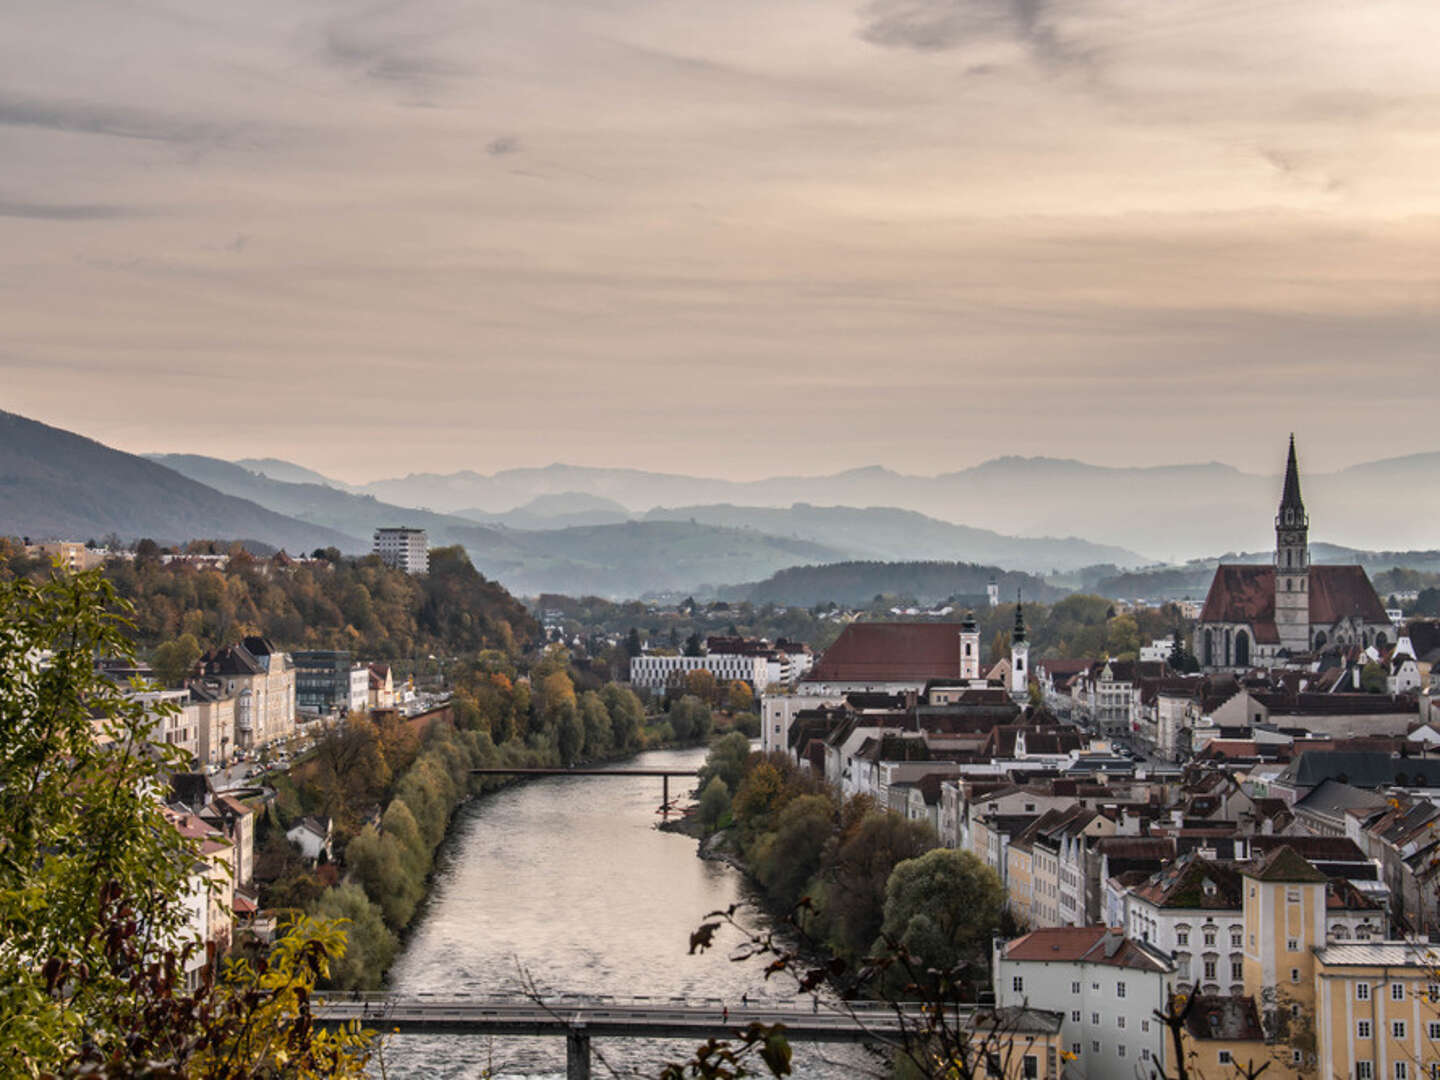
(658,672)
(359,688)
(1107,986)
(404,548)
(778,712)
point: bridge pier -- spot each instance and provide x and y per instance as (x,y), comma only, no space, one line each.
(665,795)
(577,1053)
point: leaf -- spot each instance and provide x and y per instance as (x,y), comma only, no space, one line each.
(704,937)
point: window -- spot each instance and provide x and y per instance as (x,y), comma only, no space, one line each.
(1209,935)
(1145,1025)
(1294,975)
(1397,1029)
(1095,1046)
(1144,1053)
(1094,986)
(1030,1067)
(1075,1016)
(1362,1029)
(1237,970)
(1209,969)
(1402,1070)
(1362,991)
(1074,988)
(1292,944)
(1075,1049)
(1397,991)
(1182,937)
(1119,989)
(1364,1070)
(1292,895)
(1434,993)
(1120,1050)
(1224,1057)
(1237,939)
(1017,983)
(1434,1032)
(1095,1019)
(1295,1011)
(1296,1057)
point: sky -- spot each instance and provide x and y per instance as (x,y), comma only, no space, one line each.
(738,239)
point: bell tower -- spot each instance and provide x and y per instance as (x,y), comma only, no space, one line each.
(1019,655)
(969,648)
(1292,563)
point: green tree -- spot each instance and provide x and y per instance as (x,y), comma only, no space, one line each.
(714,803)
(861,873)
(174,660)
(627,715)
(633,647)
(1122,637)
(370,945)
(726,760)
(94,878)
(791,856)
(944,907)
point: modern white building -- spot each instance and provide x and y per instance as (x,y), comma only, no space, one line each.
(1107,986)
(658,672)
(778,712)
(404,548)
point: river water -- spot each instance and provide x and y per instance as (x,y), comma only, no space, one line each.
(566,882)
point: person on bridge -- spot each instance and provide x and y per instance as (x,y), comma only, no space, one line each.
(725,1013)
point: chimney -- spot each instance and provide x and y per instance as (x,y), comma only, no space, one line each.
(1114,938)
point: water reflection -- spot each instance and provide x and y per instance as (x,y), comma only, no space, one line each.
(566,883)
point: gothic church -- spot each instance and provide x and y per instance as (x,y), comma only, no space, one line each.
(1257,614)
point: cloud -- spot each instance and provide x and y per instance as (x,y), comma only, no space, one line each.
(94,119)
(64,211)
(505,144)
(936,25)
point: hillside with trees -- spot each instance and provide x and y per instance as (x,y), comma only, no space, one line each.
(855,584)
(331,602)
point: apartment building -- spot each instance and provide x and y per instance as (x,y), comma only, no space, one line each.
(403,548)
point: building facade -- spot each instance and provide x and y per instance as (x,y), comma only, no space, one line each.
(403,548)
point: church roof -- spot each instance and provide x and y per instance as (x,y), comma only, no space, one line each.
(1290,500)
(891,652)
(1246,594)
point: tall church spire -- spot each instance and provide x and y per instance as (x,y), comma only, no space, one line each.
(1292,507)
(1019,632)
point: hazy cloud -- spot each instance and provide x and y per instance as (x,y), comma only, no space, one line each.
(63,212)
(935,25)
(96,119)
(505,144)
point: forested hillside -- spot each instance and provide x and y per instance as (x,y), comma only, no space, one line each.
(336,603)
(857,583)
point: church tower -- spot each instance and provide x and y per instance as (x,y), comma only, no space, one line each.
(1019,656)
(969,648)
(1292,563)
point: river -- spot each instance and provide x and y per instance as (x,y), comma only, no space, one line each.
(567,882)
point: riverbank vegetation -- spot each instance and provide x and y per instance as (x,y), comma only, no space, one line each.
(861,883)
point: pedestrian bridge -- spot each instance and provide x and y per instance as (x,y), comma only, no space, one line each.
(580,1019)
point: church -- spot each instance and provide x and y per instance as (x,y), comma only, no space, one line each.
(1255,615)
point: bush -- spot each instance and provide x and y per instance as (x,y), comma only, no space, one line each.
(714,803)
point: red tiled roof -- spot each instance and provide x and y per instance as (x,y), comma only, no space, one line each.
(1246,594)
(891,652)
(1068,944)
(1339,592)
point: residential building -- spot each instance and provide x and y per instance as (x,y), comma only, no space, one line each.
(380,689)
(328,682)
(403,548)
(658,673)
(263,683)
(311,834)
(70,554)
(1106,987)
(1377,1010)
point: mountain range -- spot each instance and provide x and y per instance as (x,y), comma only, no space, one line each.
(1172,512)
(580,530)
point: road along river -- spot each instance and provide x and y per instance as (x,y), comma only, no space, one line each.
(566,883)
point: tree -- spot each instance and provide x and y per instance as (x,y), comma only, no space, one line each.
(726,760)
(943,908)
(714,803)
(792,855)
(94,878)
(370,945)
(861,873)
(739,697)
(694,646)
(175,660)
(633,648)
(690,718)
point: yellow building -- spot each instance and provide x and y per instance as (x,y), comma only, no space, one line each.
(1284,906)
(1378,1011)
(1225,1039)
(1019,877)
(1018,1043)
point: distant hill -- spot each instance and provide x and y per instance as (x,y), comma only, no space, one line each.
(54,483)
(558,511)
(893,535)
(1171,511)
(288,471)
(857,583)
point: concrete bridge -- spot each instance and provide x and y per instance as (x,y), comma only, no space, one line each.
(579,1019)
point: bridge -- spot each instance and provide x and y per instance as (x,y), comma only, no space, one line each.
(579,1019)
(664,774)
